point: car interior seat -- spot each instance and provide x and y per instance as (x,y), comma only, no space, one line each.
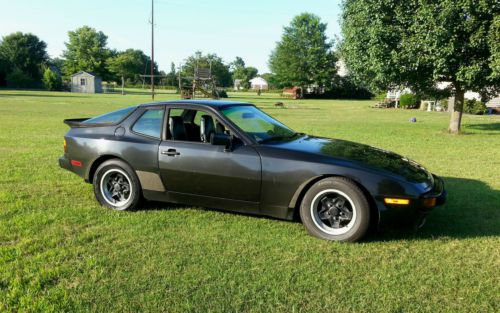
(177,128)
(206,128)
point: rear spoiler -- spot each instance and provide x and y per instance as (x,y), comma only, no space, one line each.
(76,122)
(79,122)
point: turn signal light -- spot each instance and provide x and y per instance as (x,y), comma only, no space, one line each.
(396,201)
(65,146)
(430,202)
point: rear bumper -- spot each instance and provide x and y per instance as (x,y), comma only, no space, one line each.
(417,211)
(65,164)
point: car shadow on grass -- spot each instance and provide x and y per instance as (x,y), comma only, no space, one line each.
(472,210)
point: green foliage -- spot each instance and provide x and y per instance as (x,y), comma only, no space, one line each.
(17,78)
(417,43)
(51,80)
(475,107)
(21,59)
(240,71)
(219,70)
(129,64)
(87,51)
(347,88)
(408,101)
(304,55)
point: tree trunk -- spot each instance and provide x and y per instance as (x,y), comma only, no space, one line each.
(456,113)
(123,86)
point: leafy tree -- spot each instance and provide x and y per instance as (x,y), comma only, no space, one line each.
(127,65)
(304,55)
(417,43)
(219,70)
(86,50)
(21,59)
(172,76)
(240,71)
(52,80)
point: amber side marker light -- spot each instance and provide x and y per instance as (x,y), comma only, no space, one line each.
(396,201)
(430,202)
(65,146)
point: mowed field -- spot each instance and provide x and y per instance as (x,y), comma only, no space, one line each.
(60,251)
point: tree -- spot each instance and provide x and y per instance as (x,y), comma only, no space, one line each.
(240,71)
(219,70)
(304,55)
(21,58)
(87,51)
(127,65)
(52,80)
(417,43)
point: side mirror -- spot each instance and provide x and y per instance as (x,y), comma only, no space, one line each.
(221,140)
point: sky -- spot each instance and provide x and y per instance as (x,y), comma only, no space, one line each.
(249,29)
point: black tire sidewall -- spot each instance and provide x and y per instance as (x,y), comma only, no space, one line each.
(359,200)
(136,186)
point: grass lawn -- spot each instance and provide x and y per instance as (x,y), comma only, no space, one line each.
(60,251)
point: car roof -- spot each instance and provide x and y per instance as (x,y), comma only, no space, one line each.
(218,104)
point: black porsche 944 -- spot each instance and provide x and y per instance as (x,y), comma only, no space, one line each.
(233,156)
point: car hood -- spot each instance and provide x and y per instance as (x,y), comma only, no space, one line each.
(360,155)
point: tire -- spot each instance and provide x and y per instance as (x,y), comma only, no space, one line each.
(335,209)
(116,186)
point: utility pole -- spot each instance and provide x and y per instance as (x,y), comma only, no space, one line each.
(152,50)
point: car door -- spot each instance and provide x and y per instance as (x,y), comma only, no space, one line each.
(190,166)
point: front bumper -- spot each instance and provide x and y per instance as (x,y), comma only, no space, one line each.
(417,211)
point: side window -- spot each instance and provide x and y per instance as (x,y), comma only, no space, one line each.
(192,125)
(150,123)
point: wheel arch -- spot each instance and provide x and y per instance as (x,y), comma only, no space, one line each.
(98,161)
(305,186)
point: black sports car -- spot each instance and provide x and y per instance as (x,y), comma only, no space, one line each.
(233,156)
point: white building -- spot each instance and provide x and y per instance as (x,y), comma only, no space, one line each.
(259,83)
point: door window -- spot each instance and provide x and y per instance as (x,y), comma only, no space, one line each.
(192,125)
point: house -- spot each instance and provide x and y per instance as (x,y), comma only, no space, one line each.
(86,82)
(259,83)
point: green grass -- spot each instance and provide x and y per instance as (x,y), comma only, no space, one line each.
(60,251)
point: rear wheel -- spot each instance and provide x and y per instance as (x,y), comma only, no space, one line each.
(116,186)
(335,209)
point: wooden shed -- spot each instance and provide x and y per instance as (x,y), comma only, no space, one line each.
(86,82)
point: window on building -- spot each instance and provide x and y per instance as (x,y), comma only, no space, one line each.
(82,81)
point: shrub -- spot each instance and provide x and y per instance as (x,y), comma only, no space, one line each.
(475,107)
(408,101)
(222,93)
(18,79)
(51,80)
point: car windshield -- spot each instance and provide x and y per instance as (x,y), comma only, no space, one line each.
(258,124)
(111,118)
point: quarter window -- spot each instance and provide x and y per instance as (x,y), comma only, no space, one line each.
(150,123)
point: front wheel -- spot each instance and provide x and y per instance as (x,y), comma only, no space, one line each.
(116,186)
(335,209)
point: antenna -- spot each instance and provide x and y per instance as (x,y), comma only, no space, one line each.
(152,50)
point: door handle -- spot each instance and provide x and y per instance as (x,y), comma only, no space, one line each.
(170,152)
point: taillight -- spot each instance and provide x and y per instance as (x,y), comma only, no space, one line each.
(65,146)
